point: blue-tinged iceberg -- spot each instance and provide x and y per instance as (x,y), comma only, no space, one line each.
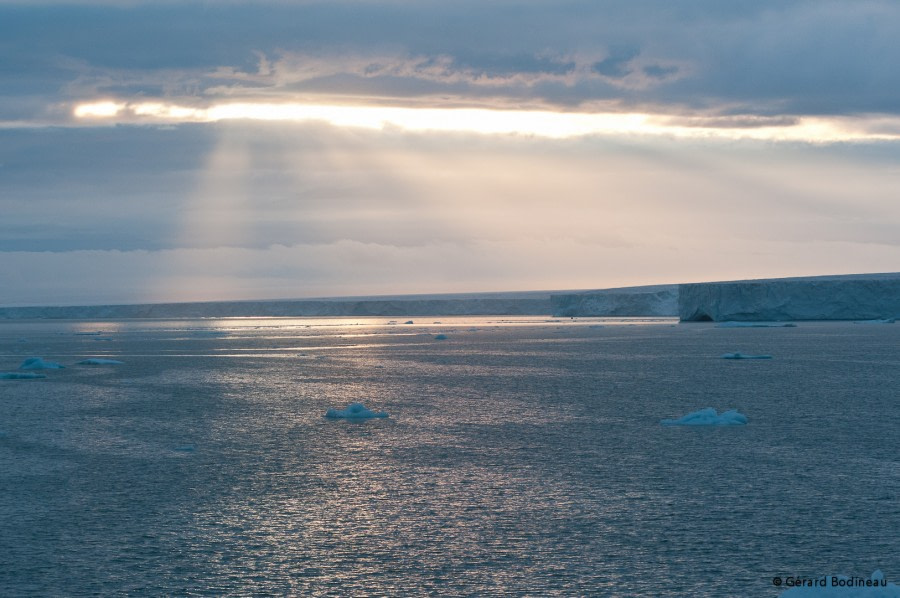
(355,411)
(708,417)
(20,376)
(36,363)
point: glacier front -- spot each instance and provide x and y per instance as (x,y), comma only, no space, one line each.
(850,297)
(647,301)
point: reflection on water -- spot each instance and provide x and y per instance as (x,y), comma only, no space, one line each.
(522,457)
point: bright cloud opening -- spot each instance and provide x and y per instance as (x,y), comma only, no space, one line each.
(548,124)
(99,110)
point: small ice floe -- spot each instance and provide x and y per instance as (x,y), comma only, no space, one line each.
(20,376)
(211,333)
(756,325)
(100,361)
(36,363)
(737,355)
(440,337)
(708,417)
(840,586)
(354,411)
(881,321)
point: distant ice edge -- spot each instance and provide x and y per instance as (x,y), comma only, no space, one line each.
(872,298)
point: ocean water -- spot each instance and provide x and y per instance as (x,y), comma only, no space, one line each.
(522,456)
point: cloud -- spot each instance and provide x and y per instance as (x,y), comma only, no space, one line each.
(617,64)
(764,58)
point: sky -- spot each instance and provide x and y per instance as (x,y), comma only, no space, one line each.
(189,150)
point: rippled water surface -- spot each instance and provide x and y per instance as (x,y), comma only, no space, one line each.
(521,457)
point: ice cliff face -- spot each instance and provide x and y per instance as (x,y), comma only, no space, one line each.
(448,305)
(659,301)
(853,297)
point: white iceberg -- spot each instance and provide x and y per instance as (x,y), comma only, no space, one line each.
(737,355)
(840,586)
(36,363)
(354,411)
(100,361)
(708,417)
(20,376)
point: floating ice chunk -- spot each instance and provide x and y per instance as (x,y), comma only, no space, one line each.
(708,417)
(36,363)
(355,411)
(756,325)
(737,355)
(100,361)
(20,376)
(210,333)
(440,337)
(841,586)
